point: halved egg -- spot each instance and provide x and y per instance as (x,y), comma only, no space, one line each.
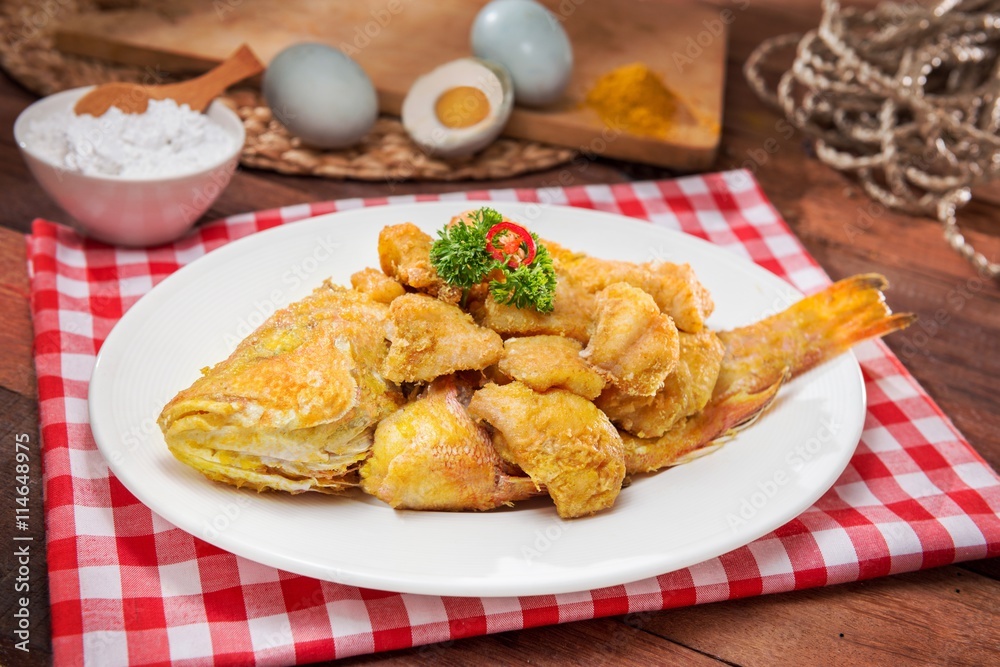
(459,107)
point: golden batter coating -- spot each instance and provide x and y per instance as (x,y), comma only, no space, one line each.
(431,455)
(571,316)
(684,392)
(544,362)
(310,401)
(431,338)
(404,254)
(633,344)
(674,287)
(560,440)
(760,357)
(377,285)
(293,407)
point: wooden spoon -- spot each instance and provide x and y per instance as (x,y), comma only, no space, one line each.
(197,93)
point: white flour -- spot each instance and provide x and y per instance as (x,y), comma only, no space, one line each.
(167,140)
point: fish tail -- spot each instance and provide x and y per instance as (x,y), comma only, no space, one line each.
(809,332)
(692,438)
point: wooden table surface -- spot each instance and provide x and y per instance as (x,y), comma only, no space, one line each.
(946,616)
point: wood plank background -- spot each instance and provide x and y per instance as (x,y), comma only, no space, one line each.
(947,616)
(604,35)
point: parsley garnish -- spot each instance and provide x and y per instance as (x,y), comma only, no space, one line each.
(462,258)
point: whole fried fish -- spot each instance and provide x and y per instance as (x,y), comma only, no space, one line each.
(294,406)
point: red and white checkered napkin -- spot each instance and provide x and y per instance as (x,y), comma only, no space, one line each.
(129,588)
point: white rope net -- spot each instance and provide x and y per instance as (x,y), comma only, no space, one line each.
(905,97)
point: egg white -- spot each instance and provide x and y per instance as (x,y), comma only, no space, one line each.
(425,128)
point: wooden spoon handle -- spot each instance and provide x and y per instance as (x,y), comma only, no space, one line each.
(200,91)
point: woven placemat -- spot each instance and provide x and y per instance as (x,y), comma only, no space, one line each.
(28,56)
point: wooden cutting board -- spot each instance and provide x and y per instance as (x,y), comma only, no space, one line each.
(396,41)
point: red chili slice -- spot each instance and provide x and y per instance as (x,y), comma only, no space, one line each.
(514,239)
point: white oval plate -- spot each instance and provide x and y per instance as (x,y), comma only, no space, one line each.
(760,480)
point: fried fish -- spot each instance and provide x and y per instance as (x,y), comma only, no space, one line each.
(294,406)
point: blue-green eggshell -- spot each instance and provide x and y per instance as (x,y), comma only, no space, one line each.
(530,43)
(321,95)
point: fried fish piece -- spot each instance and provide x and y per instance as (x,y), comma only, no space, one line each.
(674,287)
(544,362)
(431,455)
(431,338)
(377,285)
(571,316)
(760,357)
(560,440)
(685,392)
(404,253)
(294,406)
(633,344)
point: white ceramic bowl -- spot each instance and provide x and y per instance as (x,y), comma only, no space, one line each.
(122,210)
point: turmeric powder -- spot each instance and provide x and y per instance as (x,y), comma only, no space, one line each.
(634,99)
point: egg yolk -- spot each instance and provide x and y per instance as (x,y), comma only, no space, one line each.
(462,106)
